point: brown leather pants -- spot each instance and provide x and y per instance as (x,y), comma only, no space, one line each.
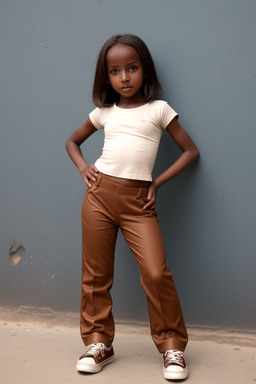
(108,206)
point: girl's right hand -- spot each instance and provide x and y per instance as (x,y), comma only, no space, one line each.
(88,173)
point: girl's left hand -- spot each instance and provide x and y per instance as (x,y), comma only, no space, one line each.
(152,191)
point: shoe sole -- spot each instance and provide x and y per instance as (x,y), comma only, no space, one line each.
(175,375)
(93,368)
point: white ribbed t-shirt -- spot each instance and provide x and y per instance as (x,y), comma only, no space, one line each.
(132,138)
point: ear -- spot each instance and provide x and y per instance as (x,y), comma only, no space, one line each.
(107,81)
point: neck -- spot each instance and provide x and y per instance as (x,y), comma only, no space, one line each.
(126,102)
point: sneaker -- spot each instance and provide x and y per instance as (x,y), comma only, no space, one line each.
(174,365)
(94,358)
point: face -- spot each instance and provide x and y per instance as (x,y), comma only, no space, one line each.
(125,72)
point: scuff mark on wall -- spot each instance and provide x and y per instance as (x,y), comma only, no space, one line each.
(189,68)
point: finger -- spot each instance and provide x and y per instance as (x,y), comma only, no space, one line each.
(93,172)
(149,205)
(85,179)
(91,177)
(94,168)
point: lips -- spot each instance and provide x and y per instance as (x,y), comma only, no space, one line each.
(127,87)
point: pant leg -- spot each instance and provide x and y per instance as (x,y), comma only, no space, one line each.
(99,234)
(142,232)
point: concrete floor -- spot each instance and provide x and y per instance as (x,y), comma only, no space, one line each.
(34,353)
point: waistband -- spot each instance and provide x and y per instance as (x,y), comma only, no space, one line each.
(120,189)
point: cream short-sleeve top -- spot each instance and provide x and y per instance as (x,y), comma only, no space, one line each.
(132,138)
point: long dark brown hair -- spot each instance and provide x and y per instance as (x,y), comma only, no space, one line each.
(103,93)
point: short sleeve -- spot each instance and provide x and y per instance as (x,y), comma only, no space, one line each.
(168,114)
(95,117)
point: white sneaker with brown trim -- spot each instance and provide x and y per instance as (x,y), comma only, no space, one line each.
(175,367)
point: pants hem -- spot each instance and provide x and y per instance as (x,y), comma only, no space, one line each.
(171,344)
(96,338)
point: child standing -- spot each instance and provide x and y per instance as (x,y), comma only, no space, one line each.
(121,195)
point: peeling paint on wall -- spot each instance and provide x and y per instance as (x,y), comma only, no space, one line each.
(16,253)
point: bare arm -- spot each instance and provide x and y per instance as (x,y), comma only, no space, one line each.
(189,155)
(88,172)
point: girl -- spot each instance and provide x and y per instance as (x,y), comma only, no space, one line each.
(121,194)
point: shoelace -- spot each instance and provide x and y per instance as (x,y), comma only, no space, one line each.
(94,348)
(174,357)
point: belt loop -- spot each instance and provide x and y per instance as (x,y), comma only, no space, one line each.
(98,180)
(139,194)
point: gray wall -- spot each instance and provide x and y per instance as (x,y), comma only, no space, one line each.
(205,55)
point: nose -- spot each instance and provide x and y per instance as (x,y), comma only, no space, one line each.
(124,77)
